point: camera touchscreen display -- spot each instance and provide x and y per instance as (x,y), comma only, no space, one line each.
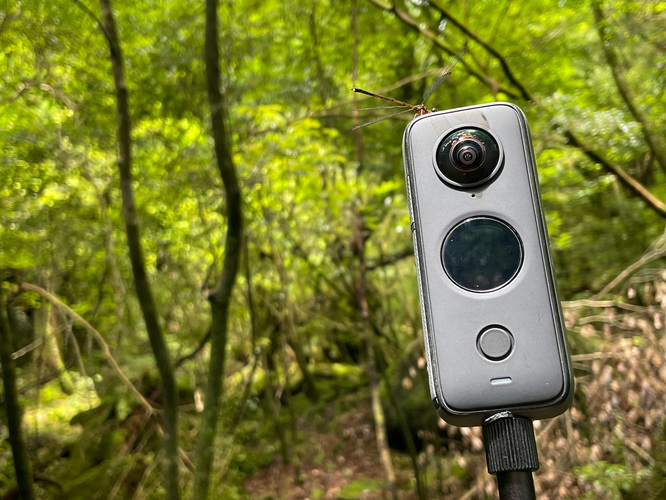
(482,254)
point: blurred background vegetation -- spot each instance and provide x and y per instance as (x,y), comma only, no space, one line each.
(324,348)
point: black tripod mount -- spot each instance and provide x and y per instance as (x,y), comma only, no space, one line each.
(511,454)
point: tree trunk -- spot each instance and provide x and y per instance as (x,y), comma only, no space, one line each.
(119,291)
(221,294)
(51,354)
(289,328)
(371,364)
(358,246)
(421,492)
(22,465)
(143,291)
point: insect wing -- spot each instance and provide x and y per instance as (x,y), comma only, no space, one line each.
(381,119)
(385,98)
(444,74)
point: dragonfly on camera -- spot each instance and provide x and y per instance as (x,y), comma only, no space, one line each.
(418,109)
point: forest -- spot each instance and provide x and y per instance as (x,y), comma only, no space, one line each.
(208,286)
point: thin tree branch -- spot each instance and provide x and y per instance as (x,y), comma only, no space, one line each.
(652,139)
(94,17)
(657,252)
(388,260)
(636,187)
(604,304)
(417,26)
(98,338)
(57,94)
(195,352)
(524,92)
(358,133)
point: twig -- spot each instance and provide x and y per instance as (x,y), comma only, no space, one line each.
(654,254)
(195,352)
(390,259)
(603,304)
(77,350)
(633,446)
(58,94)
(30,347)
(138,492)
(92,15)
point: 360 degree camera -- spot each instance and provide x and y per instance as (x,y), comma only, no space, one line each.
(493,328)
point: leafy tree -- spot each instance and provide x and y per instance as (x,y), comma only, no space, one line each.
(312,294)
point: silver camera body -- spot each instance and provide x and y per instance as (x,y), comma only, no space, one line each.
(493,328)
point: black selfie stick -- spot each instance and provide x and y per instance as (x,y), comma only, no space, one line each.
(511,454)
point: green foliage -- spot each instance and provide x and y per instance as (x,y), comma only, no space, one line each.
(287,70)
(611,481)
(359,487)
(56,408)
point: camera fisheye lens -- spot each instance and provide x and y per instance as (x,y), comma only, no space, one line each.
(468,157)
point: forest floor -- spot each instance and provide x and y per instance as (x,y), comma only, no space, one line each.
(335,464)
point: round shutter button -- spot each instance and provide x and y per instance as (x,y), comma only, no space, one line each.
(495,343)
